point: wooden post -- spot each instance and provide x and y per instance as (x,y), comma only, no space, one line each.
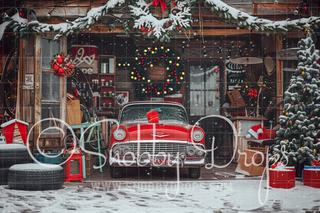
(37,86)
(63,90)
(279,73)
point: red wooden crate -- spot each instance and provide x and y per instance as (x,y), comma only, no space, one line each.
(311,177)
(282,179)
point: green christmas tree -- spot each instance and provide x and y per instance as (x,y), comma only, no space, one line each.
(298,139)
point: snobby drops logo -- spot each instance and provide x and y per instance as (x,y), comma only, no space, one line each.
(185,186)
(174,186)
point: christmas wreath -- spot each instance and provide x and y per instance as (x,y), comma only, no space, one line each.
(152,57)
(62,65)
(178,20)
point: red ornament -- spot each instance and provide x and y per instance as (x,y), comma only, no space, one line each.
(61,70)
(71,66)
(142,28)
(179,27)
(291,123)
(55,67)
(253,93)
(304,90)
(63,57)
(59,60)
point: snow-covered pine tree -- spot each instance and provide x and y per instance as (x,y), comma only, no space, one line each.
(298,139)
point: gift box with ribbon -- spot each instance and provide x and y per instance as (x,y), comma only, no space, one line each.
(281,176)
(311,174)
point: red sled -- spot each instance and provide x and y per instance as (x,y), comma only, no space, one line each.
(311,177)
(284,179)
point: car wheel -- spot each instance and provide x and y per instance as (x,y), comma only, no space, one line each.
(32,176)
(194,173)
(4,176)
(115,172)
(11,154)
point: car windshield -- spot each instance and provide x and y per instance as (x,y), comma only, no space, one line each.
(167,112)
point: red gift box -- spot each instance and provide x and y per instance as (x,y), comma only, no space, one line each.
(311,177)
(284,179)
(153,116)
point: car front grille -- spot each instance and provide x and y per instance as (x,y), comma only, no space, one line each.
(168,148)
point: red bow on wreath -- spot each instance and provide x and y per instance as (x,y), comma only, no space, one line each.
(162,4)
(315,163)
(253,93)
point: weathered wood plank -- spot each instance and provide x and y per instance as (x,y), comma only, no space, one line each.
(288,54)
(272,1)
(63,89)
(36,4)
(37,86)
(65,12)
(279,73)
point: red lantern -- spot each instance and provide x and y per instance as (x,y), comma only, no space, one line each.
(55,67)
(60,60)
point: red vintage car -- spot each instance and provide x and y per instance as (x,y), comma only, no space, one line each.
(156,134)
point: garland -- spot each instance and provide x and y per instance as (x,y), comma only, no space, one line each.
(226,12)
(62,65)
(151,57)
(179,19)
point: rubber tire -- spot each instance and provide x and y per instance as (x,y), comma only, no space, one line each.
(15,155)
(36,179)
(194,173)
(115,172)
(4,176)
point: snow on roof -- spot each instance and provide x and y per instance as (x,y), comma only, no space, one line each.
(35,166)
(12,146)
(13,121)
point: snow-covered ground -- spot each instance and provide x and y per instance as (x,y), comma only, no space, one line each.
(150,196)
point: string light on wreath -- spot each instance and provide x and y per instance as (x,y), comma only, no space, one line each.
(62,65)
(151,57)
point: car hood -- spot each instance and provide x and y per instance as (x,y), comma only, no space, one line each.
(160,131)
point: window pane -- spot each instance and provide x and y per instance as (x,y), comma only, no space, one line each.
(50,87)
(50,111)
(49,49)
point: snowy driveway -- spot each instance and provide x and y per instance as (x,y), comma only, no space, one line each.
(150,196)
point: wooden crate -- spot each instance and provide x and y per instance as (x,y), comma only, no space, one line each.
(89,164)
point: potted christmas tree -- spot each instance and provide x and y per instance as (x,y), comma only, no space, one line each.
(297,140)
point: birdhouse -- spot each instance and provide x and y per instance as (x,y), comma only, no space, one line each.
(15,131)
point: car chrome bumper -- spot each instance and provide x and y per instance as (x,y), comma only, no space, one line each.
(116,162)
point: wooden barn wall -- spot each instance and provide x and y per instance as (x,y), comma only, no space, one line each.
(28,67)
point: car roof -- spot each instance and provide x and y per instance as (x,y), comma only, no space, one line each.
(152,102)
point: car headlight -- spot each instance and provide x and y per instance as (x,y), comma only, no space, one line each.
(119,134)
(126,149)
(116,150)
(191,151)
(200,152)
(197,135)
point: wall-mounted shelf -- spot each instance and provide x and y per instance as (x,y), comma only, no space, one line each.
(107,69)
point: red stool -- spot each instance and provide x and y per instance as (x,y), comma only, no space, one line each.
(74,163)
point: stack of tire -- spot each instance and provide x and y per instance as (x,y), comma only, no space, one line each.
(33,176)
(11,154)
